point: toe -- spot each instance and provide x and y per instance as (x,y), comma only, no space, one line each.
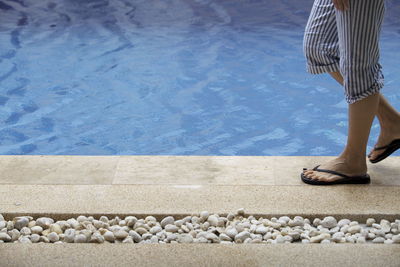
(372,155)
(307,174)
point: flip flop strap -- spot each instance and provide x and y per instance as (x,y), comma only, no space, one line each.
(384,147)
(332,172)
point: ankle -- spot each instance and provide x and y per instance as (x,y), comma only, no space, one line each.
(354,161)
(389,123)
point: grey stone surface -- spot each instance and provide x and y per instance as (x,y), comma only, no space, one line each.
(199,254)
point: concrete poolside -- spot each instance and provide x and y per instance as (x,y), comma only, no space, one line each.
(66,186)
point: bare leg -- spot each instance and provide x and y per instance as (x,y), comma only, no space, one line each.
(389,120)
(352,160)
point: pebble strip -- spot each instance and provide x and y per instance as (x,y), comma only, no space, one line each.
(199,228)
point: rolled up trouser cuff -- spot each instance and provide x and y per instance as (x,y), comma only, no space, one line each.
(375,88)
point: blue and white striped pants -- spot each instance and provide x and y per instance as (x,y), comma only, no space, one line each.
(346,41)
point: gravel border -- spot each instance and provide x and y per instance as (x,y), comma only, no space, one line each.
(200,228)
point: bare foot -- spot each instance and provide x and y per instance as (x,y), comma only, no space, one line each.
(338,165)
(384,139)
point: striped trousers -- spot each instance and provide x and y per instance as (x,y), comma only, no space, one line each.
(346,41)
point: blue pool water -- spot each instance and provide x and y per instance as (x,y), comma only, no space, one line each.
(171,77)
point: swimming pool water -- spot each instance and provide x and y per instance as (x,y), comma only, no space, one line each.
(171,77)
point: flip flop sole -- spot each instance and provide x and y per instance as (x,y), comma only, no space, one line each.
(354,180)
(388,151)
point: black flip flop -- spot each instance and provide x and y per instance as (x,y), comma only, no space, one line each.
(364,179)
(389,149)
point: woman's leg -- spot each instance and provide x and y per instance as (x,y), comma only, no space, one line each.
(389,120)
(352,161)
(362,79)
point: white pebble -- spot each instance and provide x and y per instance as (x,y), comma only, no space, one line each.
(69,235)
(261,230)
(240,212)
(55,228)
(388,236)
(343,222)
(224,237)
(127,240)
(135,236)
(150,219)
(353,223)
(354,229)
(5,237)
(213,220)
(337,237)
(385,226)
(344,228)
(167,220)
(130,221)
(44,239)
(185,238)
(231,232)
(329,222)
(171,237)
(24,239)
(73,223)
(285,219)
(204,215)
(141,230)
(154,230)
(316,222)
(10,225)
(370,221)
(213,237)
(53,237)
(171,228)
(376,226)
(25,231)
(297,221)
(396,239)
(82,218)
(109,236)
(371,236)
(319,238)
(120,234)
(179,223)
(103,219)
(15,234)
(81,238)
(20,222)
(378,240)
(44,222)
(35,238)
(242,236)
(97,238)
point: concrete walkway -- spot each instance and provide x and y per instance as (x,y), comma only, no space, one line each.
(66,186)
